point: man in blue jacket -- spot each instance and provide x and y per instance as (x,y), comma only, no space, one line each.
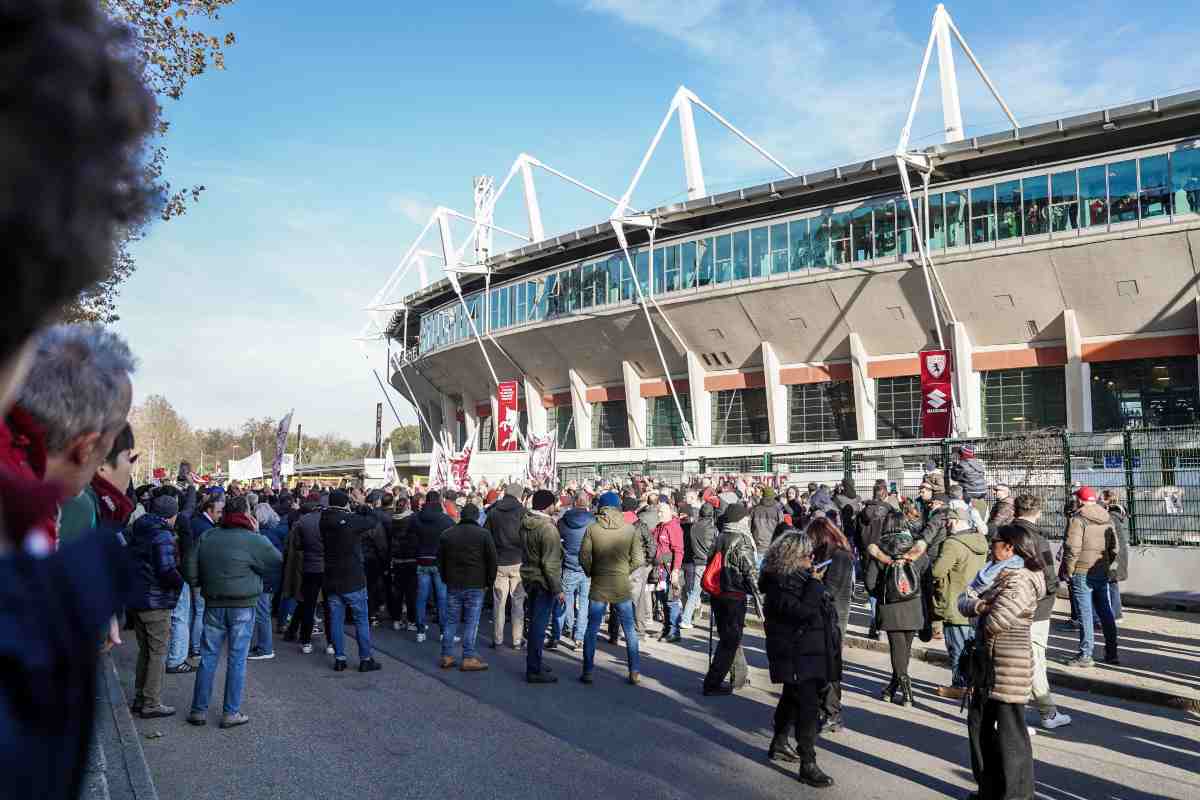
(152,546)
(570,617)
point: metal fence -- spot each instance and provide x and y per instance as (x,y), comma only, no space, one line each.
(1155,472)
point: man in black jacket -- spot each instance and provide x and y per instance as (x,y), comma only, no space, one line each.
(402,573)
(427,527)
(1028,509)
(703,534)
(467,563)
(342,535)
(871,521)
(739,579)
(504,524)
(308,532)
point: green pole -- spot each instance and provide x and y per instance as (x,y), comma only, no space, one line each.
(1130,500)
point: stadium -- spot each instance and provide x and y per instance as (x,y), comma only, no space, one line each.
(786,319)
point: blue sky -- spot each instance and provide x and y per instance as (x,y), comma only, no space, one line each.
(336,128)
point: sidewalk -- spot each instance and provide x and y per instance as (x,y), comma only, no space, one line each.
(1159,650)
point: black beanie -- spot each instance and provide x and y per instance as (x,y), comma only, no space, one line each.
(736,512)
(543,499)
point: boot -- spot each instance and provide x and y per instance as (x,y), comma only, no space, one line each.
(781,750)
(905,696)
(890,689)
(473,664)
(812,775)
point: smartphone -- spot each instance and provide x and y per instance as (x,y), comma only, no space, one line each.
(822,565)
(892,487)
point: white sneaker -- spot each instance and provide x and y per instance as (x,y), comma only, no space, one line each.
(457,639)
(420,637)
(411,627)
(1032,730)
(329,650)
(396,626)
(306,648)
(1057,721)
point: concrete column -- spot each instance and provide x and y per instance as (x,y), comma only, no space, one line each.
(701,400)
(776,396)
(635,405)
(448,406)
(864,389)
(1079,377)
(535,412)
(471,416)
(495,404)
(581,410)
(968,384)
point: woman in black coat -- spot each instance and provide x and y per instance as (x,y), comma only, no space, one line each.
(900,619)
(830,545)
(803,648)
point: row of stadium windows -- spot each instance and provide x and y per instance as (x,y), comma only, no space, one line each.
(1087,199)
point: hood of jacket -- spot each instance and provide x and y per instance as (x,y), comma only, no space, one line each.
(649,517)
(507,505)
(1095,513)
(611,519)
(577,518)
(971,539)
(146,528)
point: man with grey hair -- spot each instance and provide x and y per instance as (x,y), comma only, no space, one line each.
(78,393)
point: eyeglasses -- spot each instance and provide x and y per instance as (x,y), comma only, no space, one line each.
(133,458)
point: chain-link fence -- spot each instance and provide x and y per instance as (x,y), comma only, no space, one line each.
(1154,474)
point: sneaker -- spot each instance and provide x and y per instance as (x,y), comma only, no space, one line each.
(197,718)
(447,662)
(339,665)
(420,637)
(833,724)
(540,677)
(156,712)
(1032,730)
(457,639)
(306,648)
(329,651)
(1112,661)
(586,678)
(233,720)
(1082,662)
(1057,721)
(472,664)
(411,627)
(260,655)
(551,644)
(369,665)
(570,644)
(397,626)
(136,707)
(182,668)
(635,678)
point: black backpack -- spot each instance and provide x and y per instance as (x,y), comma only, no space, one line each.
(901,582)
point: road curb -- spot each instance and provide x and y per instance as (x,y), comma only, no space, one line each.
(126,771)
(1057,676)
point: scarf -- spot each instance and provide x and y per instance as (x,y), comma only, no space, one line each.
(114,505)
(244,521)
(25,505)
(991,570)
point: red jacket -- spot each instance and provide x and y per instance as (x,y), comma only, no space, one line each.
(23,457)
(669,538)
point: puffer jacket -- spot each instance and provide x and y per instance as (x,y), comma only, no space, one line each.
(704,532)
(1003,513)
(963,555)
(571,529)
(764,519)
(1120,520)
(739,574)
(647,521)
(969,473)
(504,523)
(311,544)
(155,556)
(427,526)
(402,545)
(541,564)
(803,638)
(1005,629)
(611,550)
(1084,547)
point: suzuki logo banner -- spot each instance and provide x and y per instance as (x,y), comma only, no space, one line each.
(507,416)
(937,395)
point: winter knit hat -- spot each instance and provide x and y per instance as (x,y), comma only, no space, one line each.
(164,506)
(543,499)
(768,493)
(735,513)
(515,490)
(967,451)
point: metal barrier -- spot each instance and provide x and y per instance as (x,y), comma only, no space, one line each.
(1153,472)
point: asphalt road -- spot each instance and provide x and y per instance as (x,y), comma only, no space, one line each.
(414,731)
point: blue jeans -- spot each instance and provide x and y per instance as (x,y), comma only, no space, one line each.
(219,623)
(427,577)
(262,625)
(362,623)
(596,611)
(465,605)
(1114,598)
(181,628)
(568,616)
(672,612)
(692,574)
(957,637)
(540,603)
(1092,596)
(287,607)
(197,618)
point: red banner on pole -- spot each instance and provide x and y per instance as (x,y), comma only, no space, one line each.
(937,395)
(507,416)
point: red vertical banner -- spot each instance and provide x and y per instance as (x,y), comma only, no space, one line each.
(937,395)
(507,416)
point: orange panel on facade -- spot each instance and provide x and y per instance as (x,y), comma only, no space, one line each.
(659,388)
(1153,347)
(893,368)
(1019,358)
(601,394)
(820,373)
(737,380)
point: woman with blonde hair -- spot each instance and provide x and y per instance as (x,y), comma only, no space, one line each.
(803,649)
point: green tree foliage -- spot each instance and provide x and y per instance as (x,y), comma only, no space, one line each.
(174,45)
(405,439)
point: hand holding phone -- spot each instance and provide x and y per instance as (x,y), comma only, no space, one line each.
(822,565)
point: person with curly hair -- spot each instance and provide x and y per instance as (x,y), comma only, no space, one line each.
(75,113)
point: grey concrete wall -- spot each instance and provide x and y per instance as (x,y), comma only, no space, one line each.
(1164,573)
